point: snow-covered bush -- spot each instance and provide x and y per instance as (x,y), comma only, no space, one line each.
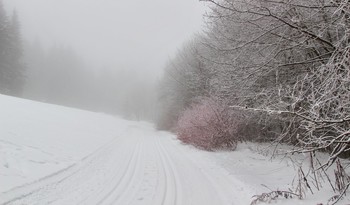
(208,124)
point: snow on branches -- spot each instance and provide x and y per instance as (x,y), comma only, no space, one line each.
(208,125)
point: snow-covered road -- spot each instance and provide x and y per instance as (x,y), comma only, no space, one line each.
(57,155)
(144,167)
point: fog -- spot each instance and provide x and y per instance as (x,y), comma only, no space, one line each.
(102,55)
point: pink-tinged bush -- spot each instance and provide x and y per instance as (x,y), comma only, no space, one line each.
(208,125)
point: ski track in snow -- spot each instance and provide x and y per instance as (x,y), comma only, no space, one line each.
(61,156)
(139,168)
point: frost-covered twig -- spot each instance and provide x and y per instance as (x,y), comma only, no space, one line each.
(273,195)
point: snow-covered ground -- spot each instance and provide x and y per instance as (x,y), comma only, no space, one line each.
(56,155)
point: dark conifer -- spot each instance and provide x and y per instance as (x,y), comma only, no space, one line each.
(11,63)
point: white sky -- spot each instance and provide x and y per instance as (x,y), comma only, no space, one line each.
(132,34)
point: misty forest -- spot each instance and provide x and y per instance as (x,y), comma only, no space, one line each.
(253,107)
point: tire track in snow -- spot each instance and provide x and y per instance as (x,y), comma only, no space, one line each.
(161,178)
(149,177)
(171,194)
(228,189)
(111,181)
(30,189)
(120,180)
(98,177)
(139,168)
(130,179)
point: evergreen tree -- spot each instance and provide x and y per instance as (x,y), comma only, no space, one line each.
(3,48)
(17,69)
(11,64)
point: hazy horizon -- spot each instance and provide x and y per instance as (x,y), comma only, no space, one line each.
(127,35)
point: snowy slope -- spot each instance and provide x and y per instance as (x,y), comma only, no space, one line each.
(37,139)
(56,155)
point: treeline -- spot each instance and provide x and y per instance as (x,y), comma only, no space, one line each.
(12,69)
(58,75)
(280,68)
(267,71)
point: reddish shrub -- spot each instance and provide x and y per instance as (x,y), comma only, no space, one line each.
(208,125)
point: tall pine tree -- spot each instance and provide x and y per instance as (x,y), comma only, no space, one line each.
(11,64)
(17,67)
(3,48)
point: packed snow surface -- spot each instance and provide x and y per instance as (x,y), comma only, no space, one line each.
(57,155)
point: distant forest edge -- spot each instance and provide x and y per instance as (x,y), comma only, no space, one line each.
(265,71)
(57,74)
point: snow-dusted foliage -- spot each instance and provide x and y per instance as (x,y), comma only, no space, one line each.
(321,105)
(283,65)
(208,125)
(186,78)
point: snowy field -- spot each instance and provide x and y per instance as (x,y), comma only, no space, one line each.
(56,155)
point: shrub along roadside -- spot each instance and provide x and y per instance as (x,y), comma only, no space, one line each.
(209,125)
